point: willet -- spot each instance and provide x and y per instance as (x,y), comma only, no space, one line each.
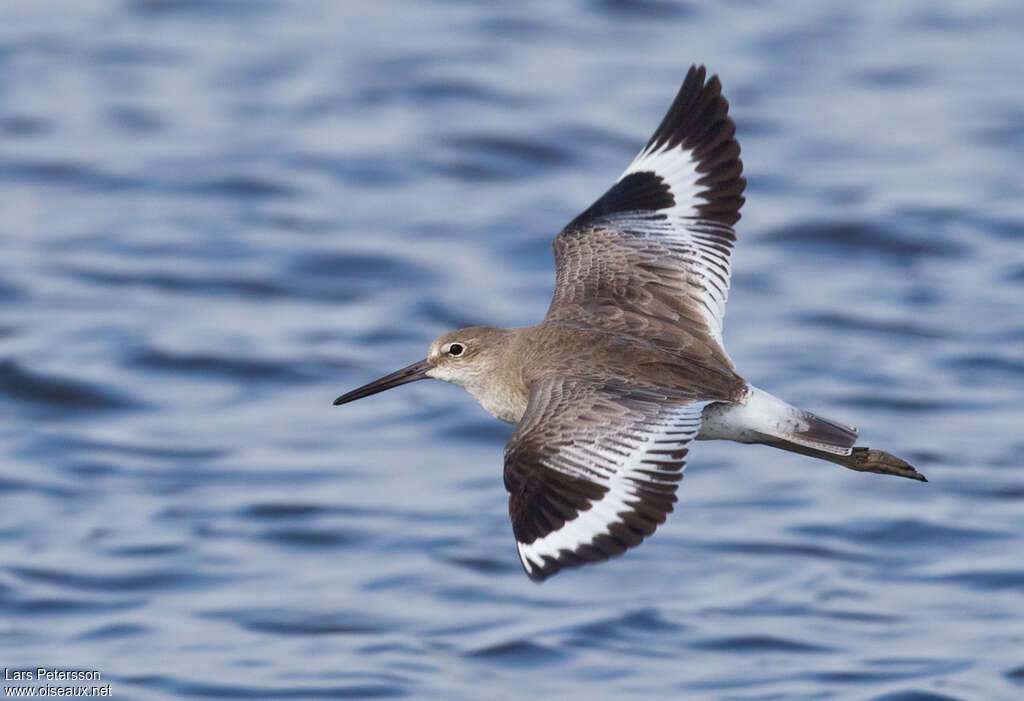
(628,366)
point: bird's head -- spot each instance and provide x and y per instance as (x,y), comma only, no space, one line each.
(459,357)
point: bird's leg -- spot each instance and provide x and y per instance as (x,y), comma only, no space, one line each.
(860,459)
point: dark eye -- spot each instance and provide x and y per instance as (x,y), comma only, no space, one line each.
(456,349)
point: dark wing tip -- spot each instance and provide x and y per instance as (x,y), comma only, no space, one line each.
(698,125)
(540,574)
(542,501)
(689,91)
(698,122)
(621,535)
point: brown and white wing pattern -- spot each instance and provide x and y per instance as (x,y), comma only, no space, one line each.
(592,469)
(652,255)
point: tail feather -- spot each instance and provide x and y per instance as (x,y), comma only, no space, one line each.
(824,434)
(760,417)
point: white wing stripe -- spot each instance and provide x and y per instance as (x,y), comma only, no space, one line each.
(625,477)
(678,169)
(701,252)
(701,259)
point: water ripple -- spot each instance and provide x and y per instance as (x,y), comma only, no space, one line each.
(291,622)
(844,239)
(222,366)
(144,580)
(1016,675)
(519,653)
(911,533)
(178,687)
(758,643)
(115,631)
(55,392)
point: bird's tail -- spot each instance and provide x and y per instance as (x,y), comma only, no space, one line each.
(761,417)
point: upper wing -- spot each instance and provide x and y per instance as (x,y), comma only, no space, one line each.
(592,469)
(652,255)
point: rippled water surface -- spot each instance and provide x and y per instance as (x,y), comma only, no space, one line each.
(217,216)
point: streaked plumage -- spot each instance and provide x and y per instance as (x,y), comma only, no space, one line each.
(628,366)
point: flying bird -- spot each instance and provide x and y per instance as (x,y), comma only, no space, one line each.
(628,366)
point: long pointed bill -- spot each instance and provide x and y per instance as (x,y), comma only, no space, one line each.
(416,371)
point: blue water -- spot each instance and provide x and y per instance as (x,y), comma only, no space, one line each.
(218,216)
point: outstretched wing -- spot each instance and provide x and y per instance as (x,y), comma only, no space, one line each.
(651,257)
(592,469)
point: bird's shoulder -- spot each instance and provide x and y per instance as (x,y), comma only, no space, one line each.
(552,350)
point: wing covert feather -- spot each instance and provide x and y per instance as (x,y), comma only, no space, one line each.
(592,469)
